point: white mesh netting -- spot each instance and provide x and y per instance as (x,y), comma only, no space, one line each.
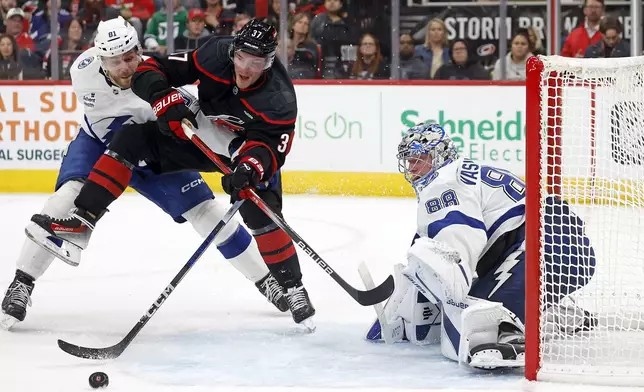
(592,143)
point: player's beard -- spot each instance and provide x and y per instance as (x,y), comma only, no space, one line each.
(123,78)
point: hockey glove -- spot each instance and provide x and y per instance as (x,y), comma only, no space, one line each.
(170,109)
(246,174)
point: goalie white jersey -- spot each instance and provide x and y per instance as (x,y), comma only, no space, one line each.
(468,207)
(107,107)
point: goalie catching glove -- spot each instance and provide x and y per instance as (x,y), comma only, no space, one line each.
(170,109)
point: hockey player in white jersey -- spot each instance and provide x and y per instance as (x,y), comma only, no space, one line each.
(101,80)
(466,265)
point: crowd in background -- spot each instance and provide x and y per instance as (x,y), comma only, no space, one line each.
(326,38)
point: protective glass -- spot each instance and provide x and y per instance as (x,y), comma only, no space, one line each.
(245,60)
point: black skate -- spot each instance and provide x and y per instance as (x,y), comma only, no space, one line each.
(300,305)
(271,289)
(509,352)
(16,299)
(65,237)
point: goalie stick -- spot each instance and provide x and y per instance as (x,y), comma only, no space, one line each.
(365,298)
(117,349)
(390,333)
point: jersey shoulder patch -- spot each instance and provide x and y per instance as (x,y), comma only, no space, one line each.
(85,62)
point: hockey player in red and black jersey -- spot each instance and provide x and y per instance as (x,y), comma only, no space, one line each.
(243,90)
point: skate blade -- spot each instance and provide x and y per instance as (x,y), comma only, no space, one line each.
(7,322)
(68,252)
(309,324)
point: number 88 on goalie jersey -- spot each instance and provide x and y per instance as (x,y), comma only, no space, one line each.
(476,210)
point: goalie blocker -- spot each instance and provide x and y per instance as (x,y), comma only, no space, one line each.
(467,260)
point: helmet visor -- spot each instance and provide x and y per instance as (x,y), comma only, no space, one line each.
(247,61)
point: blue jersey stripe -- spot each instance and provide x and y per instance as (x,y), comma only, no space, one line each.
(452,333)
(509,214)
(453,218)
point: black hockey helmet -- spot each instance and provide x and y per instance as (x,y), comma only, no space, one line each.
(257,38)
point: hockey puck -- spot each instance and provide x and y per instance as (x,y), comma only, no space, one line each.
(98,380)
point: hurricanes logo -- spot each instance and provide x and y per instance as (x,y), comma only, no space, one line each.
(231,122)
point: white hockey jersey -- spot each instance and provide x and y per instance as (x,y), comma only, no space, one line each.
(107,107)
(469,206)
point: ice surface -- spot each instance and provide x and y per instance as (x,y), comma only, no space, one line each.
(216,332)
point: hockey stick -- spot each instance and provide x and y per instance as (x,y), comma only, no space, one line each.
(365,298)
(117,349)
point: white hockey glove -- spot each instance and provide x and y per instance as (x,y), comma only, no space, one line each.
(436,271)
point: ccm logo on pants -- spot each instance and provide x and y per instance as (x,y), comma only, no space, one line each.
(192,184)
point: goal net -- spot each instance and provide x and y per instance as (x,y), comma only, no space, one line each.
(585,220)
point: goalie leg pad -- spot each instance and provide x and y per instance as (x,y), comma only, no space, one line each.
(491,336)
(394,327)
(233,241)
(409,315)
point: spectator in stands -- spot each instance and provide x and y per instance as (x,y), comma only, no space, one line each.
(196,33)
(535,41)
(516,59)
(587,34)
(91,13)
(14,25)
(435,50)
(10,67)
(369,63)
(240,22)
(273,17)
(156,34)
(300,33)
(136,12)
(30,61)
(5,6)
(463,66)
(301,62)
(40,26)
(412,67)
(311,7)
(71,46)
(337,37)
(611,44)
(219,21)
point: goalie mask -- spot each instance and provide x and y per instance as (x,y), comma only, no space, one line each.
(424,149)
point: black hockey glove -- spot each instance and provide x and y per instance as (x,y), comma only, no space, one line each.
(248,173)
(170,109)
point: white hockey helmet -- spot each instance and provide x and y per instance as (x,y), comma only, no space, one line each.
(115,37)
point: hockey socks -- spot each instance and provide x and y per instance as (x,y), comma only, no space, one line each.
(108,179)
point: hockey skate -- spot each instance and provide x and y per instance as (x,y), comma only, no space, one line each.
(508,352)
(65,237)
(16,299)
(300,305)
(271,289)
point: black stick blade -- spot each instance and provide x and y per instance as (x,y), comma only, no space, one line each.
(91,353)
(375,295)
